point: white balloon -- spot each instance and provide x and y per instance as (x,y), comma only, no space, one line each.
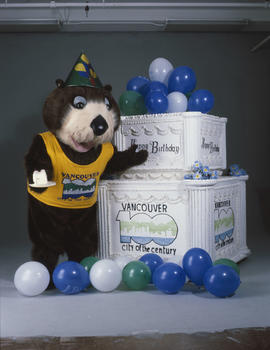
(105,275)
(160,70)
(31,278)
(122,261)
(177,102)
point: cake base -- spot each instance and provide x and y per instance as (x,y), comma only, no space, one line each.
(168,218)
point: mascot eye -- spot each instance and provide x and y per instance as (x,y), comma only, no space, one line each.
(79,102)
(107,103)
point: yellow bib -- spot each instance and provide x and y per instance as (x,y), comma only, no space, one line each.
(76,185)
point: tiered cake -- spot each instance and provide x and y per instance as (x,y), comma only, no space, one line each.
(153,209)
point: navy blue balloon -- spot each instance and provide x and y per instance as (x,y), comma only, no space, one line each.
(136,83)
(152,261)
(182,79)
(221,281)
(70,277)
(201,100)
(169,278)
(156,102)
(196,262)
(153,86)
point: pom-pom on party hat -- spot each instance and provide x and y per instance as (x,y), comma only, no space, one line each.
(83,74)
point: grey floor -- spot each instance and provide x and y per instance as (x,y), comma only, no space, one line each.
(124,312)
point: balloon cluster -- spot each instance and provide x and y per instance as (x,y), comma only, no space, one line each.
(221,278)
(168,90)
(201,172)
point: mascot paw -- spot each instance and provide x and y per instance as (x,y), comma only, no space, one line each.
(137,157)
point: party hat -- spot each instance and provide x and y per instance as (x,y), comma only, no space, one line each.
(83,74)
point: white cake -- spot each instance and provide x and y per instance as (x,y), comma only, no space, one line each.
(153,209)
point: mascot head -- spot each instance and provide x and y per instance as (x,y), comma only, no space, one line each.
(81,112)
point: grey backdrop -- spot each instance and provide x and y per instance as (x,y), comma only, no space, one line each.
(239,80)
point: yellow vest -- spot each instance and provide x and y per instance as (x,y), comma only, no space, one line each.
(76,185)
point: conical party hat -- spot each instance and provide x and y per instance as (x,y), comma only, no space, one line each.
(83,74)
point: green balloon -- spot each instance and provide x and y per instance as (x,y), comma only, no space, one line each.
(228,262)
(89,262)
(136,275)
(132,103)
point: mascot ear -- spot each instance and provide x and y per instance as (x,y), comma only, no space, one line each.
(108,88)
(59,83)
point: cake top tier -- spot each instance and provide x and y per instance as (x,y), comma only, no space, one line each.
(175,141)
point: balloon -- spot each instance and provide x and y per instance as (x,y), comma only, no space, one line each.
(196,262)
(136,275)
(89,262)
(122,261)
(132,103)
(201,100)
(221,281)
(136,83)
(160,70)
(154,86)
(70,277)
(228,262)
(156,102)
(105,275)
(182,79)
(31,278)
(177,102)
(169,278)
(152,261)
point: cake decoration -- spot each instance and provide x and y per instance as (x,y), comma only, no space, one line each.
(235,170)
(201,172)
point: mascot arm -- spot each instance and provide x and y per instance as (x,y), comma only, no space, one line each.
(37,159)
(121,161)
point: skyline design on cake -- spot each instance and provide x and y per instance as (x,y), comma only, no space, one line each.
(142,228)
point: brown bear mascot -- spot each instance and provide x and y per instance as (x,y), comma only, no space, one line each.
(64,166)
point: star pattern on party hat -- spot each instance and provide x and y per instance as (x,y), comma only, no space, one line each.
(83,74)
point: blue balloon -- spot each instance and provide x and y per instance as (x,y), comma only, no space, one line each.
(156,102)
(169,278)
(152,261)
(196,262)
(154,86)
(221,281)
(70,277)
(182,79)
(201,100)
(136,83)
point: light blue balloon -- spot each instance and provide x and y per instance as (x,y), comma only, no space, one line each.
(177,102)
(160,70)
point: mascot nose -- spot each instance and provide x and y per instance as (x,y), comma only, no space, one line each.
(99,125)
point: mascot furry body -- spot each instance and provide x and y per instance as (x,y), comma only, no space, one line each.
(81,121)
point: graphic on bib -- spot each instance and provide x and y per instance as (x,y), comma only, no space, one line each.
(142,228)
(78,188)
(224,227)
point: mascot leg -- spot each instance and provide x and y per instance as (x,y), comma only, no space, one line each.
(82,238)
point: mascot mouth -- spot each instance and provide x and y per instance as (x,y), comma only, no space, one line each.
(82,146)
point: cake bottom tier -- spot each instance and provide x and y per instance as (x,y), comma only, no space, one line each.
(168,218)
